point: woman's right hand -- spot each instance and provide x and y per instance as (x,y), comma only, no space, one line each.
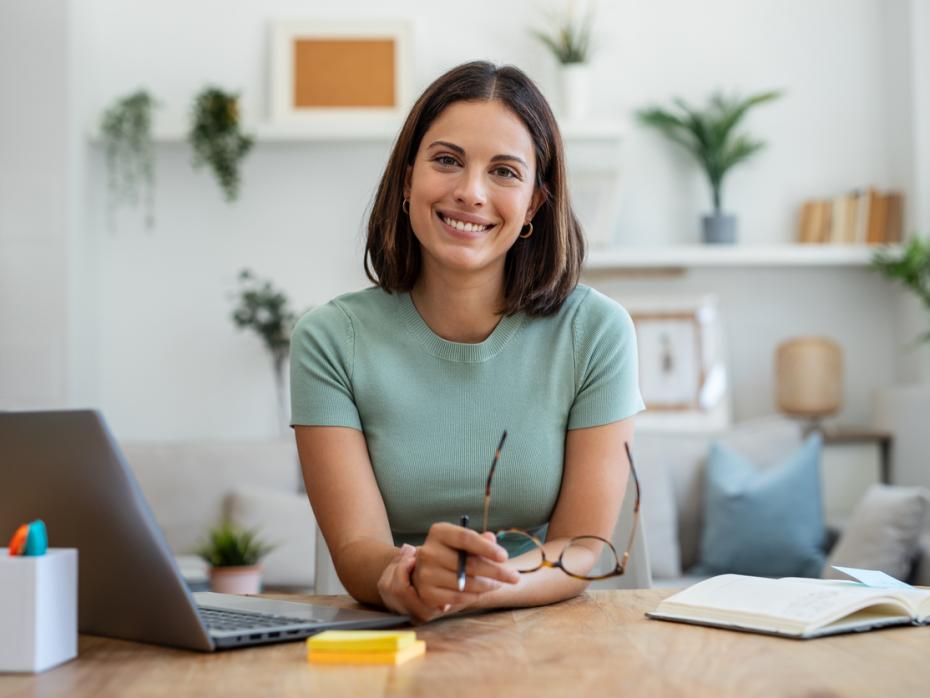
(434,566)
(435,574)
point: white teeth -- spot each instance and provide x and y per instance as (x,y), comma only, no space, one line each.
(464,227)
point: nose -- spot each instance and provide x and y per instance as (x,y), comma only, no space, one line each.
(469,190)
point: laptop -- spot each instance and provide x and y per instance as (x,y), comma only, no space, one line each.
(65,468)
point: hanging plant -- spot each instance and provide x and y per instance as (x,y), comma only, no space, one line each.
(217,139)
(126,128)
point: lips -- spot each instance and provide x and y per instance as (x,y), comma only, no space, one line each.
(460,232)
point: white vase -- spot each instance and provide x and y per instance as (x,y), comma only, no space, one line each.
(236,580)
(575,89)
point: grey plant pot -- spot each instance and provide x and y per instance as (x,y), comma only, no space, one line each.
(719,229)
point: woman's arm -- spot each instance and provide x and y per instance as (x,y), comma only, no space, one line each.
(347,505)
(350,513)
(594,480)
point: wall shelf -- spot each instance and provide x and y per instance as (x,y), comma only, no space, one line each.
(708,256)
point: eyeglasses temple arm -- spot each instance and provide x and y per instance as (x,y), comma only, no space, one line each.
(629,543)
(487,487)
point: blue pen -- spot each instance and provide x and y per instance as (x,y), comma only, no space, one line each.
(463,558)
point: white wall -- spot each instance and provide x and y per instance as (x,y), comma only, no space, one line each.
(154,345)
(37,201)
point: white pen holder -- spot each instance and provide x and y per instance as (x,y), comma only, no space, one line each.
(38,610)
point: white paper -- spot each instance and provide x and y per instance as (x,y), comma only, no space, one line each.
(873,578)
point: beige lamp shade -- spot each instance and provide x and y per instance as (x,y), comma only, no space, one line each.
(809,377)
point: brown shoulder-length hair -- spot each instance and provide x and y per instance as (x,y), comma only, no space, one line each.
(539,271)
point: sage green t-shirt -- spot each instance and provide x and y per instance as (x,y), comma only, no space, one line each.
(432,411)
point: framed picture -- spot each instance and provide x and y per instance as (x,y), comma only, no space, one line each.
(682,372)
(670,368)
(324,71)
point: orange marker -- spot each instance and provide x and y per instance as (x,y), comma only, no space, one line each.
(18,541)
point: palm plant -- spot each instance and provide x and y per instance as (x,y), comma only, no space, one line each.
(570,37)
(710,135)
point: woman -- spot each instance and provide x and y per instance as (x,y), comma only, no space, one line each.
(475,325)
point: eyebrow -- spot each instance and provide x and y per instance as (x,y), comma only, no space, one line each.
(461,151)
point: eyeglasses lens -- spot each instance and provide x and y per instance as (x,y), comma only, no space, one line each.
(588,556)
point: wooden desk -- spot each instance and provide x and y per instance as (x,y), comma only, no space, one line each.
(596,645)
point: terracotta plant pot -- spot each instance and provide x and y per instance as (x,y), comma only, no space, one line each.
(236,580)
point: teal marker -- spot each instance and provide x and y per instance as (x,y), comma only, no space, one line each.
(36,540)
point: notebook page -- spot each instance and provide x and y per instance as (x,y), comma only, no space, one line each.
(793,601)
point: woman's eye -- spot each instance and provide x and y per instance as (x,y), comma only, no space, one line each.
(506,172)
(447,160)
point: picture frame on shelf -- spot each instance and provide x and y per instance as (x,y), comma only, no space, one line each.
(682,368)
(334,72)
(671,372)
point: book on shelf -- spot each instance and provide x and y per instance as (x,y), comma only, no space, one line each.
(842,224)
(876,227)
(894,217)
(814,222)
(795,607)
(863,201)
(862,217)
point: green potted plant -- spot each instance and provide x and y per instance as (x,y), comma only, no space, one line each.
(569,41)
(233,555)
(712,139)
(126,130)
(217,138)
(911,268)
(265,310)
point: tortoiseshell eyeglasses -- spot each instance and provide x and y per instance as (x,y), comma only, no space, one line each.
(585,557)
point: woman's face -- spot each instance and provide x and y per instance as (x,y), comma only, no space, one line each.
(471,187)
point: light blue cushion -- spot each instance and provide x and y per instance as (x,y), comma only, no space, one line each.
(764,522)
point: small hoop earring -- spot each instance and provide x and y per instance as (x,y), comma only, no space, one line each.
(530,231)
(405,207)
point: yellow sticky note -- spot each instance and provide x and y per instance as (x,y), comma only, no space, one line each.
(417,649)
(362,640)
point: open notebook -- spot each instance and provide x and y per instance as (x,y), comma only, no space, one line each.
(795,607)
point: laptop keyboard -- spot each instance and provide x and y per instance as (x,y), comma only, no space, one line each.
(227,621)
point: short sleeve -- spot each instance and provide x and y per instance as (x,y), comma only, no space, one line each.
(606,364)
(322,350)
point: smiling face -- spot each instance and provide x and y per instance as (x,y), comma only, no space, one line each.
(471,187)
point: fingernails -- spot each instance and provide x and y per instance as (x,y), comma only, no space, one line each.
(407,548)
(445,609)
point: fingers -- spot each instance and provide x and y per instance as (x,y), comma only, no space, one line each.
(441,568)
(479,567)
(455,538)
(474,583)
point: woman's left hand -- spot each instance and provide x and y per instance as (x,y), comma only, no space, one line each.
(397,591)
